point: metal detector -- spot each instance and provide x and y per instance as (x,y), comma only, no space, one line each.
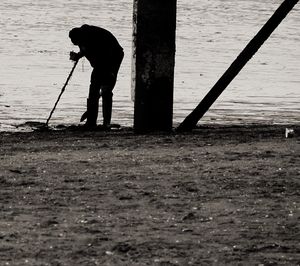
(62,91)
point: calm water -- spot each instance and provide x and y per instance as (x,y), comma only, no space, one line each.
(34,49)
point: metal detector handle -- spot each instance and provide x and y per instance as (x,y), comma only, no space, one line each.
(62,91)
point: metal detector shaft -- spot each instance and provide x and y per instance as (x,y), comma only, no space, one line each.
(62,91)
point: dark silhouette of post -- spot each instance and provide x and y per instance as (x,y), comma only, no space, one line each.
(192,119)
(153,64)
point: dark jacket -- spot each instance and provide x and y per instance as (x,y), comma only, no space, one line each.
(100,47)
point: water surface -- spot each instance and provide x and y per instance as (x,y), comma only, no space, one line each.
(34,49)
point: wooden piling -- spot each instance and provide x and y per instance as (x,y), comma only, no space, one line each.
(153,64)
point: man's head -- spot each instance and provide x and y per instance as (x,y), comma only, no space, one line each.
(75,35)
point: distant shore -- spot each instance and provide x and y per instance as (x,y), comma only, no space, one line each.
(218,195)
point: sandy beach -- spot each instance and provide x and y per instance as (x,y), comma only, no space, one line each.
(222,195)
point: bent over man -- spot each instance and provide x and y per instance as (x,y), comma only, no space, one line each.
(105,55)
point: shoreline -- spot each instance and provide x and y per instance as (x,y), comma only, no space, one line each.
(218,195)
(32,125)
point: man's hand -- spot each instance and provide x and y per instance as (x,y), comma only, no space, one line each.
(75,56)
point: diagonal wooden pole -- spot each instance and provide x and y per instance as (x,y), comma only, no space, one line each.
(253,46)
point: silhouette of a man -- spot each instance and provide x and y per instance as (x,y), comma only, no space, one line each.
(105,55)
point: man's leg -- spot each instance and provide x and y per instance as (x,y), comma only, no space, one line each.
(107,97)
(106,90)
(93,99)
(107,100)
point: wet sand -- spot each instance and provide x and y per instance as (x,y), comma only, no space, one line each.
(220,195)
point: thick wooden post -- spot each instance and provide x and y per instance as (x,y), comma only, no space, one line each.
(153,64)
(192,119)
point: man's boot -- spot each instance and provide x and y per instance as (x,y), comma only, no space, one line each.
(92,112)
(106,110)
